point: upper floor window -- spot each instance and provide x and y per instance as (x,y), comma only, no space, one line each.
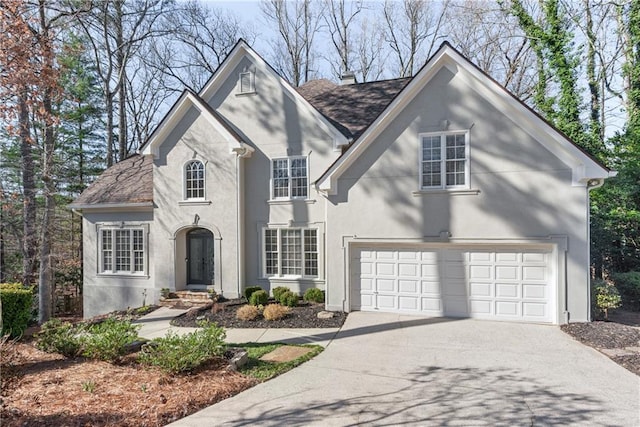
(122,250)
(289,178)
(444,160)
(247,82)
(194,180)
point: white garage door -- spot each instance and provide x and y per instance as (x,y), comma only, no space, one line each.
(512,283)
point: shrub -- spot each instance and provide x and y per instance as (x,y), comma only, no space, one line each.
(107,340)
(289,299)
(605,297)
(259,298)
(250,290)
(277,292)
(183,353)
(628,285)
(314,295)
(16,308)
(60,337)
(247,312)
(275,312)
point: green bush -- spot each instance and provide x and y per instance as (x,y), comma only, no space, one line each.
(277,292)
(628,285)
(60,337)
(314,295)
(250,290)
(605,297)
(259,298)
(183,353)
(289,299)
(107,340)
(16,308)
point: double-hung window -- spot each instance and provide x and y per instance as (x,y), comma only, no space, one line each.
(291,252)
(122,250)
(194,180)
(289,178)
(444,161)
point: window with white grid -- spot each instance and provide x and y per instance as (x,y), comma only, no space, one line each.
(444,161)
(194,180)
(122,251)
(291,252)
(271,252)
(289,178)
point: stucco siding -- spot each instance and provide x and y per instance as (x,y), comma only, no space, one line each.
(519,189)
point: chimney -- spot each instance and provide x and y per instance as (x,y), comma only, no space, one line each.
(348,78)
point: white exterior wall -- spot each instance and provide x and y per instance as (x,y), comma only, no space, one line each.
(103,293)
(272,122)
(524,192)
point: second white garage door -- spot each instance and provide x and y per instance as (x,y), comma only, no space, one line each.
(510,283)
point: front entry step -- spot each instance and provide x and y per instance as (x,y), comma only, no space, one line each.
(186,299)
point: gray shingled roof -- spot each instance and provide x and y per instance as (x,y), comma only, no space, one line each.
(351,108)
(129,181)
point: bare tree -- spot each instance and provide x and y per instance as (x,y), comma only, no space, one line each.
(116,30)
(298,23)
(198,39)
(340,16)
(369,50)
(409,27)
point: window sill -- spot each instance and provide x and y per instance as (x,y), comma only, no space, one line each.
(121,275)
(194,202)
(247,93)
(452,192)
(292,278)
(290,201)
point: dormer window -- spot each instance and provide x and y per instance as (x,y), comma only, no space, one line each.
(194,180)
(247,82)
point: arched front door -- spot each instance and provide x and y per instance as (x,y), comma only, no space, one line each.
(200,257)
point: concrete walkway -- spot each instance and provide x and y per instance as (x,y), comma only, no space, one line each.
(385,369)
(157,323)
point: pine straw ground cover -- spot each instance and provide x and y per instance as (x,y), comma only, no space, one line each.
(44,389)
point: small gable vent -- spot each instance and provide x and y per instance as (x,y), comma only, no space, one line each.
(247,82)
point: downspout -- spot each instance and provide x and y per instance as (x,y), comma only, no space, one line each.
(242,152)
(591,185)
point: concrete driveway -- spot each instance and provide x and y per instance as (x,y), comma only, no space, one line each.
(386,369)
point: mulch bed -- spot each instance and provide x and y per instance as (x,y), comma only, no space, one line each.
(305,315)
(618,338)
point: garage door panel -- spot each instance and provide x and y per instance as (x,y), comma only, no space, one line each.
(408,270)
(530,291)
(409,286)
(431,288)
(385,285)
(507,290)
(409,303)
(387,302)
(481,307)
(480,290)
(502,284)
(507,272)
(480,272)
(534,273)
(534,310)
(508,308)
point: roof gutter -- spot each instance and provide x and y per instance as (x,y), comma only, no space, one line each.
(87,206)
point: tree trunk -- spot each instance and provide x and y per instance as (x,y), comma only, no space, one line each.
(29,239)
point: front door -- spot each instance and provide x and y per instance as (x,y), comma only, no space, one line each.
(199,257)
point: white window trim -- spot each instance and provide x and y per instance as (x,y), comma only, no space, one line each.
(184,182)
(290,179)
(279,243)
(252,85)
(443,161)
(145,249)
